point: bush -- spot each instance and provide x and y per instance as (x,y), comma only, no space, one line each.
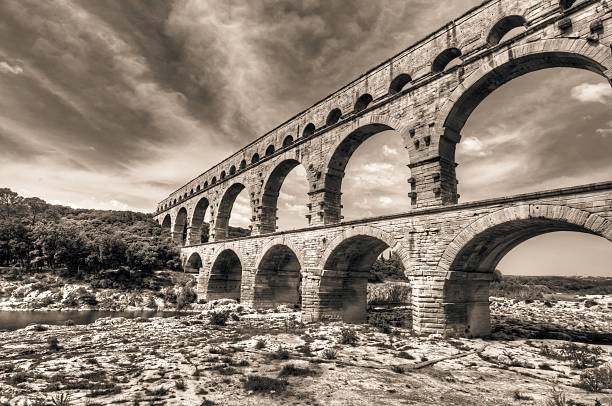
(219,318)
(329,353)
(280,353)
(263,384)
(186,297)
(348,336)
(389,294)
(292,370)
(597,379)
(53,343)
(580,356)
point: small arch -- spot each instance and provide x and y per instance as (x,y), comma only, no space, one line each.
(278,278)
(308,130)
(243,164)
(198,188)
(225,276)
(399,82)
(194,263)
(270,150)
(362,102)
(206,184)
(565,4)
(213,180)
(333,116)
(503,27)
(191,192)
(185,195)
(255,158)
(287,141)
(444,59)
(223,174)
(174,201)
(232,169)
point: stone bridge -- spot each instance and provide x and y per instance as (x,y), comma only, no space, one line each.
(425,94)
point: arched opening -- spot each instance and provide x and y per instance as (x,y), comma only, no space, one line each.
(232,169)
(447,59)
(234,214)
(198,188)
(206,184)
(308,130)
(174,201)
(255,158)
(513,24)
(362,102)
(243,164)
(528,131)
(270,150)
(290,209)
(278,279)
(287,141)
(180,227)
(223,174)
(166,223)
(398,83)
(343,287)
(225,277)
(194,263)
(466,292)
(200,223)
(213,180)
(191,192)
(333,117)
(376,183)
(565,4)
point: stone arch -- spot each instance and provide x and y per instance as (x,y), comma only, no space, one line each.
(197,233)
(287,141)
(333,116)
(270,150)
(362,102)
(399,82)
(444,58)
(166,223)
(341,152)
(255,158)
(277,277)
(280,241)
(194,263)
(180,227)
(232,169)
(308,130)
(471,257)
(346,265)
(225,277)
(512,63)
(271,190)
(504,26)
(243,164)
(224,211)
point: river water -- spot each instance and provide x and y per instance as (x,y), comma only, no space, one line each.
(13,320)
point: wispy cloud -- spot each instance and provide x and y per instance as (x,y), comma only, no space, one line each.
(593,93)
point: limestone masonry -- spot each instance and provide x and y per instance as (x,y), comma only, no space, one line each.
(425,94)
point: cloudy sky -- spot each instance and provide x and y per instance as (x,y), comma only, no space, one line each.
(114,104)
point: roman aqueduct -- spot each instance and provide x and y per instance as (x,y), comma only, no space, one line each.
(425,94)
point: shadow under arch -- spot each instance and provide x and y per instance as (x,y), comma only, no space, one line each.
(271,190)
(225,211)
(225,277)
(180,227)
(278,278)
(341,154)
(470,259)
(346,265)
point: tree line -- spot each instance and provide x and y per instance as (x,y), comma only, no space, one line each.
(35,234)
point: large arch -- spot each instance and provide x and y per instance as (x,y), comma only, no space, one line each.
(278,278)
(346,265)
(472,256)
(166,223)
(225,277)
(271,190)
(179,234)
(199,232)
(225,210)
(341,153)
(512,63)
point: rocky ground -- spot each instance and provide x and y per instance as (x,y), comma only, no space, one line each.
(274,358)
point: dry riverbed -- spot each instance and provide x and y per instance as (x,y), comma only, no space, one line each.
(274,358)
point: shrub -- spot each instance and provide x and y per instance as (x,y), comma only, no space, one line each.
(292,370)
(262,384)
(597,379)
(186,297)
(219,318)
(329,353)
(63,399)
(389,293)
(590,303)
(53,343)
(280,353)
(580,356)
(398,369)
(348,336)
(179,384)
(260,344)
(69,323)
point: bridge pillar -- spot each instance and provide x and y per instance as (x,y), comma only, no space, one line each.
(433,182)
(202,284)
(466,303)
(194,235)
(324,207)
(177,237)
(311,279)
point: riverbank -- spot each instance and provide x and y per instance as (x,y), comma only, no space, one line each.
(119,290)
(232,355)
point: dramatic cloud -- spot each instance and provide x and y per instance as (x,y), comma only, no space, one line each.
(595,93)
